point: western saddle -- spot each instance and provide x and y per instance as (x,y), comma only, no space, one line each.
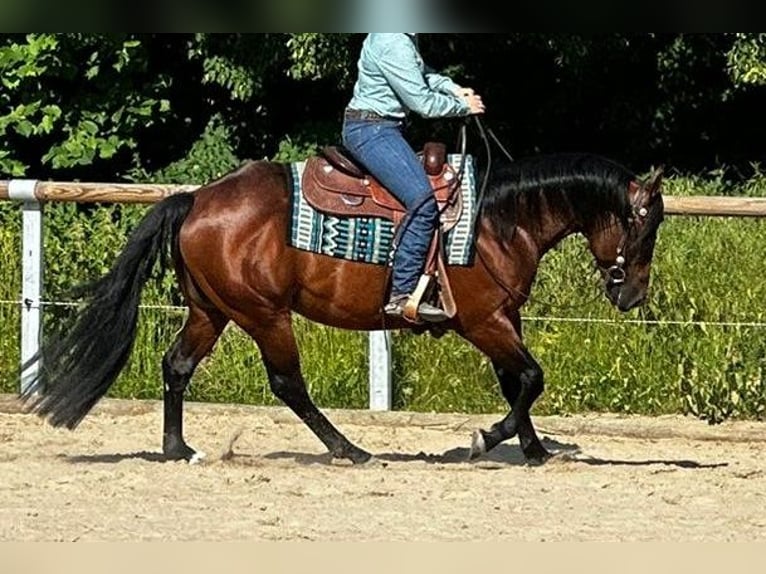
(333,182)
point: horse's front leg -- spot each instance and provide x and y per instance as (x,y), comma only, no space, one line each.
(521,381)
(521,390)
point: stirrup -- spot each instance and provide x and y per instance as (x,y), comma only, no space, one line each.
(425,311)
(431,314)
(412,308)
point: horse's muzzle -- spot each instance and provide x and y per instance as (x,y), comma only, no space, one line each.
(625,297)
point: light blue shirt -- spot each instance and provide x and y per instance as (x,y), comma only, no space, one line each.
(393,80)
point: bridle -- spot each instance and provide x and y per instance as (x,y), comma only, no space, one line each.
(638,212)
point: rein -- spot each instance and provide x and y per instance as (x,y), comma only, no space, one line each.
(486,134)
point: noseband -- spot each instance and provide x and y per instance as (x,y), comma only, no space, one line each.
(616,273)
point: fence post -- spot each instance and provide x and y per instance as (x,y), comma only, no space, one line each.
(380,370)
(31,275)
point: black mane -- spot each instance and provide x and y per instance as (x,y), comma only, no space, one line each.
(587,185)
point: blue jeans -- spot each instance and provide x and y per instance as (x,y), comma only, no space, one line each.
(380,146)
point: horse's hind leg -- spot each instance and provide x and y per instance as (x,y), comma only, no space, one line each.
(279,351)
(193,343)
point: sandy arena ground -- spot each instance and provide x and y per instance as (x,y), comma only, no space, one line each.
(266,477)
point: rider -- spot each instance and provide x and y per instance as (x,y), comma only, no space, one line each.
(393,81)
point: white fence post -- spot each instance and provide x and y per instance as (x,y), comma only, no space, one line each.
(31,275)
(380,370)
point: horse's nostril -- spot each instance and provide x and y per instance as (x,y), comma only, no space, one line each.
(627,303)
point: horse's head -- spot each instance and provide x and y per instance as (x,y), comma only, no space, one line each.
(624,250)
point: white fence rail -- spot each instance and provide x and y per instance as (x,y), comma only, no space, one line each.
(34,193)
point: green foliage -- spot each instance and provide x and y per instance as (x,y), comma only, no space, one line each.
(21,67)
(10,291)
(210,157)
(316,56)
(306,142)
(99,231)
(447,375)
(747,59)
(295,150)
(236,62)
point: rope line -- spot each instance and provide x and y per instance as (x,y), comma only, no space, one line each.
(646,322)
(536,319)
(21,303)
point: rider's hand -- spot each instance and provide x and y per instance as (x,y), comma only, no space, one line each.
(474,102)
(471,98)
(463,92)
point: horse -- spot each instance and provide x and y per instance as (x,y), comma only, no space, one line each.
(226,243)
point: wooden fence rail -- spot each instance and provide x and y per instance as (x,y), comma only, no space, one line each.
(143,193)
(715,206)
(96,192)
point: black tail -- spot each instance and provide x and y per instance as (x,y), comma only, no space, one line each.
(83,357)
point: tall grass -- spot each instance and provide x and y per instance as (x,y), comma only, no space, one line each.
(10,289)
(681,353)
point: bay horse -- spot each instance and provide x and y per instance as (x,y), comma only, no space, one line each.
(227,244)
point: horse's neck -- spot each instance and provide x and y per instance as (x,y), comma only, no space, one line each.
(548,231)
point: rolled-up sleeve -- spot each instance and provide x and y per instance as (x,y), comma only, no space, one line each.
(430,98)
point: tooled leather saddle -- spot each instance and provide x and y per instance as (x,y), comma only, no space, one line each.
(333,182)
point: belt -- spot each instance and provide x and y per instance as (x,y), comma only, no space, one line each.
(352,114)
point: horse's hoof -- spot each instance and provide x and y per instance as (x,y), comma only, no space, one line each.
(538,458)
(361,457)
(181,451)
(536,455)
(478,445)
(354,455)
(197,458)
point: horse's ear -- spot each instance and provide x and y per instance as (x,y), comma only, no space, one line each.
(655,180)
